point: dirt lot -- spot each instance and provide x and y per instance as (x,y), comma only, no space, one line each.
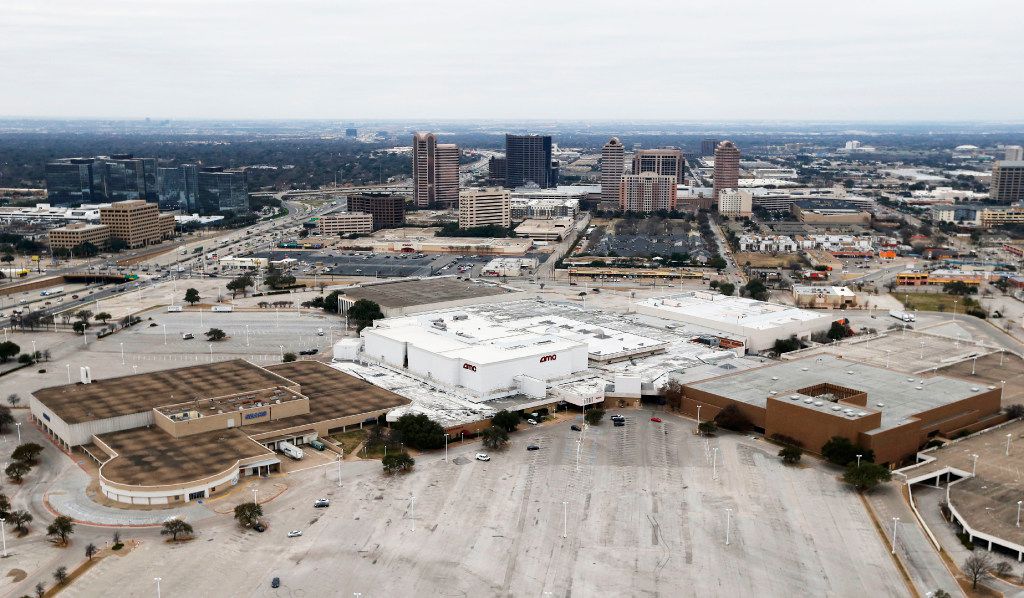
(765,260)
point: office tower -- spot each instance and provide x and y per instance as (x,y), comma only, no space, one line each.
(664,161)
(613,156)
(1007,181)
(351,133)
(528,160)
(1014,153)
(484,207)
(219,190)
(727,168)
(190,187)
(647,192)
(137,222)
(435,172)
(496,170)
(69,182)
(387,209)
(170,188)
(707,147)
(735,202)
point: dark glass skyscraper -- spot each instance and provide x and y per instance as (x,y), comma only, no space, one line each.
(528,159)
(221,191)
(69,182)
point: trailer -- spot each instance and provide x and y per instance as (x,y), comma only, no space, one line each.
(48,292)
(290,450)
(904,316)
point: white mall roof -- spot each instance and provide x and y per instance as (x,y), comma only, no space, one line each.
(715,307)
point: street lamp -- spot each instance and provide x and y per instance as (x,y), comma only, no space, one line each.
(698,414)
(565,518)
(1019,503)
(714,464)
(1009,437)
(18,426)
(246,335)
(255,494)
(728,524)
(69,372)
(446,448)
(3,534)
(122,353)
(157,580)
(858,461)
(974,467)
(895,523)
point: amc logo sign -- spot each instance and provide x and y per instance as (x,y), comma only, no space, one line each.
(469,366)
(548,358)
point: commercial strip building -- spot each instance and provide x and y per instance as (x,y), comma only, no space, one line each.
(345,223)
(487,206)
(758,324)
(173,436)
(816,398)
(825,296)
(553,230)
(913,278)
(435,172)
(421,243)
(508,266)
(387,209)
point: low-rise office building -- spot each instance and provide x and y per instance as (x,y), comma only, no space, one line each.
(345,223)
(825,296)
(823,211)
(73,235)
(554,229)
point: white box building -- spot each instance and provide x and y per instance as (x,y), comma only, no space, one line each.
(488,359)
(758,323)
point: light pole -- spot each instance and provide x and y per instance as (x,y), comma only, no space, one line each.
(858,461)
(1019,502)
(698,414)
(69,372)
(246,335)
(1009,437)
(122,353)
(339,470)
(18,426)
(282,352)
(211,352)
(255,495)
(157,580)
(974,467)
(974,364)
(714,464)
(446,448)
(3,534)
(412,511)
(165,334)
(728,524)
(895,523)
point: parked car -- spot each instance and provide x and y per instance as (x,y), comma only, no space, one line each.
(532,421)
(575,428)
(532,447)
(322,503)
(259,527)
(309,352)
(656,420)
(483,457)
(619,422)
(294,533)
(275,583)
(317,444)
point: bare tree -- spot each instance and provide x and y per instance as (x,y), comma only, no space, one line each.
(976,567)
(13,399)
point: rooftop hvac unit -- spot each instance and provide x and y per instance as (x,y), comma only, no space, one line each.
(86,374)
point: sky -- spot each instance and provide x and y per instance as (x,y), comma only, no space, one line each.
(839,60)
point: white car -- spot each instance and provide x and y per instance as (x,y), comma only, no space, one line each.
(294,533)
(532,421)
(483,457)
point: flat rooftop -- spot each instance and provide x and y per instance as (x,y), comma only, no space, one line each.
(424,291)
(112,397)
(895,394)
(734,311)
(150,456)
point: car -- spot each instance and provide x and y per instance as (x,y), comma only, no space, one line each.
(259,527)
(294,533)
(532,447)
(656,420)
(619,422)
(617,416)
(309,352)
(275,583)
(575,428)
(483,457)
(322,503)
(532,421)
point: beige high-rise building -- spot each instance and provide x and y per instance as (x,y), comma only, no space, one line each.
(485,206)
(136,222)
(1007,181)
(665,161)
(735,202)
(647,192)
(435,172)
(727,168)
(613,157)
(1014,153)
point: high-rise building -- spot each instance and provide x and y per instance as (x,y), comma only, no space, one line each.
(219,190)
(727,168)
(1007,181)
(190,187)
(1014,153)
(137,222)
(69,182)
(735,202)
(665,161)
(496,170)
(435,172)
(647,192)
(528,160)
(707,147)
(170,188)
(487,206)
(351,132)
(613,156)
(101,179)
(387,209)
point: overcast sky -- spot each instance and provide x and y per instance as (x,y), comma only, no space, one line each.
(510,59)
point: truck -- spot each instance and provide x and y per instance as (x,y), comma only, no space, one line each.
(290,450)
(48,292)
(904,316)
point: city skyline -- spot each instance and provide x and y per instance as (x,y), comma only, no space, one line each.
(200,60)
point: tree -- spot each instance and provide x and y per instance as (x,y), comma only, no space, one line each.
(1015,411)
(731,418)
(215,334)
(866,476)
(6,419)
(790,454)
(400,462)
(5,506)
(28,453)
(959,287)
(727,288)
(103,317)
(288,357)
(976,567)
(175,528)
(61,528)
(506,420)
(419,431)
(839,331)
(83,315)
(116,244)
(61,575)
(40,590)
(840,450)
(717,262)
(672,392)
(363,312)
(13,399)
(16,471)
(248,513)
(494,437)
(79,327)
(20,520)
(8,350)
(594,416)
(331,302)
(240,284)
(940,593)
(191,296)
(707,428)
(90,551)
(756,290)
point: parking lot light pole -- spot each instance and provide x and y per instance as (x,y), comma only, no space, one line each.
(211,352)
(698,414)
(165,334)
(858,461)
(246,335)
(18,427)
(3,534)
(714,464)
(255,494)
(1009,437)
(974,467)
(565,518)
(339,469)
(122,353)
(446,448)
(69,372)
(728,525)
(157,580)
(895,524)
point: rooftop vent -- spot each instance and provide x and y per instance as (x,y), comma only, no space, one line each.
(808,401)
(974,389)
(818,403)
(794,397)
(879,404)
(836,407)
